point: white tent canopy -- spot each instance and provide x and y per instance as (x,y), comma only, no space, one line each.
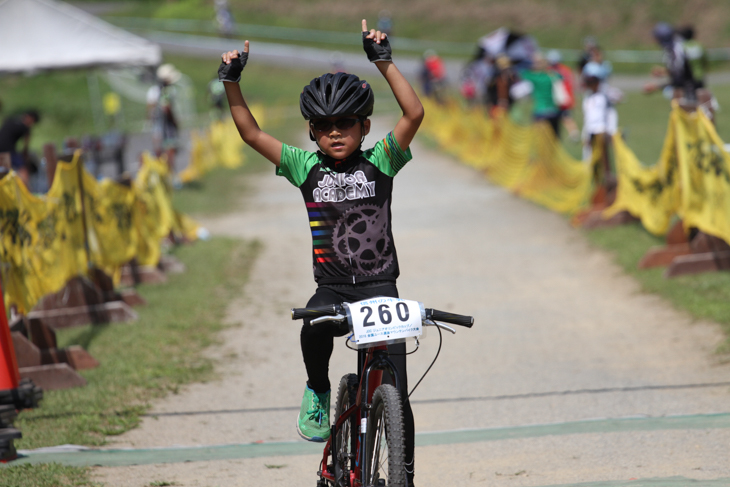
(39,35)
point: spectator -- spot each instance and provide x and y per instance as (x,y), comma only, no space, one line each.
(696,55)
(12,130)
(160,109)
(589,45)
(592,53)
(385,23)
(566,74)
(433,76)
(542,80)
(217,97)
(600,122)
(224,18)
(475,78)
(499,97)
(676,65)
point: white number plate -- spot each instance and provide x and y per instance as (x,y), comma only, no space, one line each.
(384,320)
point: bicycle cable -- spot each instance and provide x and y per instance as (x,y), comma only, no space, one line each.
(418,345)
(441,340)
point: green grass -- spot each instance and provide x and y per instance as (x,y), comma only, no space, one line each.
(146,359)
(619,24)
(65,104)
(220,190)
(46,475)
(704,296)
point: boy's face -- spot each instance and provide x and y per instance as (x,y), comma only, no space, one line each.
(338,137)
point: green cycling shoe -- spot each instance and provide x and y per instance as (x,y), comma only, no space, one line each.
(313,423)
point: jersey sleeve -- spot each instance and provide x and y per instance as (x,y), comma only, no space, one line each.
(387,155)
(295,164)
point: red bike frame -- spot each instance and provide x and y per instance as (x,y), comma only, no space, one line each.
(373,361)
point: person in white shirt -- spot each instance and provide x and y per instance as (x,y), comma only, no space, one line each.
(600,120)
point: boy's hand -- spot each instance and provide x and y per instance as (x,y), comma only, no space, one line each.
(232,65)
(376,44)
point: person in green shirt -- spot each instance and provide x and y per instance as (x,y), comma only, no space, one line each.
(542,79)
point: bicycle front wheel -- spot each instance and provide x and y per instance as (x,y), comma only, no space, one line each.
(384,440)
(345,444)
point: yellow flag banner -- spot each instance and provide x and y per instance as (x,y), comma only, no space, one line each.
(651,194)
(64,201)
(113,239)
(227,144)
(47,241)
(42,238)
(219,145)
(201,157)
(704,173)
(155,206)
(21,213)
(527,160)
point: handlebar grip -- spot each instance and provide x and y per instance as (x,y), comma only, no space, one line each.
(314,311)
(453,318)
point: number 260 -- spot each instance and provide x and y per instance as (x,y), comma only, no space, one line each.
(401,310)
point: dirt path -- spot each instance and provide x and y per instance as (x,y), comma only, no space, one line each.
(552,315)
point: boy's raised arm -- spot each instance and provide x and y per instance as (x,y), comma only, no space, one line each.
(230,73)
(377,47)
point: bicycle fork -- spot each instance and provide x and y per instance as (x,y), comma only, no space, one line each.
(372,378)
(371,364)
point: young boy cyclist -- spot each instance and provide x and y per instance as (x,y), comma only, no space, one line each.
(347,192)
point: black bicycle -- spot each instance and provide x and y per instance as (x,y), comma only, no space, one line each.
(366,445)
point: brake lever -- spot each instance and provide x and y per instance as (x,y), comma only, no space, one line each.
(323,319)
(440,325)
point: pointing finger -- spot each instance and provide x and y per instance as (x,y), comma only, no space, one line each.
(245,46)
(364,25)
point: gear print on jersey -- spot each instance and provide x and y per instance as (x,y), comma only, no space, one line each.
(348,204)
(361,239)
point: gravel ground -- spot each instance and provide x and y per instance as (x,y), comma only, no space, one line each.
(552,314)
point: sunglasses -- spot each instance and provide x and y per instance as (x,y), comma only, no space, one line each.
(340,124)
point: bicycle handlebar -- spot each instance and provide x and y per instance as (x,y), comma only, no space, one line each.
(334,309)
(315,311)
(453,318)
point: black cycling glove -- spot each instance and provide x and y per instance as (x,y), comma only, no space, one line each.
(377,52)
(232,72)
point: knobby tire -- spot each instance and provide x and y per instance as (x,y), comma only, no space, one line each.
(384,440)
(347,434)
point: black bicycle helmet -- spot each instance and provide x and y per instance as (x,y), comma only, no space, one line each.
(336,95)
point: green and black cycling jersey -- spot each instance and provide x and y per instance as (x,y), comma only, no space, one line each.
(348,203)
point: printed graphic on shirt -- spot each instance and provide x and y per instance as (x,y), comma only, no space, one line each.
(337,187)
(321,226)
(361,241)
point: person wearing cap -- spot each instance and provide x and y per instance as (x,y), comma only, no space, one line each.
(677,67)
(600,122)
(160,110)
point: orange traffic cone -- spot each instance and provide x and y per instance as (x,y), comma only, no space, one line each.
(22,394)
(9,374)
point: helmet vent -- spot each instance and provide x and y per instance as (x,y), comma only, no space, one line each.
(336,95)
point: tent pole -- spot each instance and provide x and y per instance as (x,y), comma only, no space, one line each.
(95,95)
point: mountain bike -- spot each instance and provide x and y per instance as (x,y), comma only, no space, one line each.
(366,444)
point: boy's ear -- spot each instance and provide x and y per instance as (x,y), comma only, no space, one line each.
(311,135)
(366,126)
